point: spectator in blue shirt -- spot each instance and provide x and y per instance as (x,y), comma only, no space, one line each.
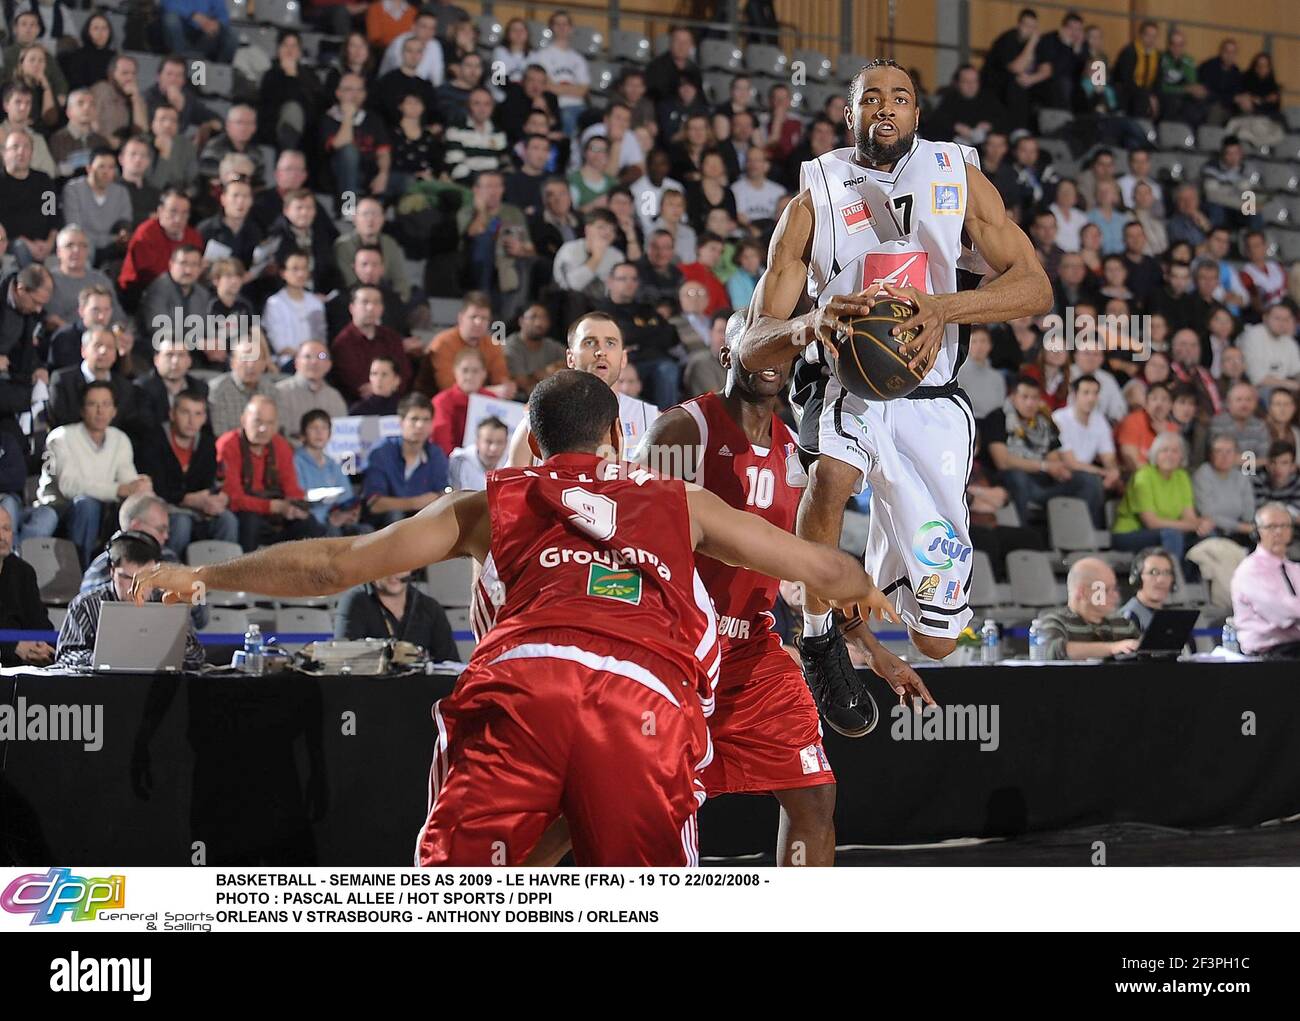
(199,28)
(317,470)
(406,473)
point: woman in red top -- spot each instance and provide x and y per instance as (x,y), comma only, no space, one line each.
(1052,371)
(451,406)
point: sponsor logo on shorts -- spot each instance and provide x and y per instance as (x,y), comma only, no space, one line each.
(945,198)
(953,594)
(813,760)
(936,545)
(623,585)
(856,217)
(928,587)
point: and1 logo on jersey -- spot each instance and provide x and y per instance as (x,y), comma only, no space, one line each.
(898,269)
(623,585)
(856,217)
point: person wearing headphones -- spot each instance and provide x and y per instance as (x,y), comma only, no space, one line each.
(1265,587)
(129,553)
(1153,581)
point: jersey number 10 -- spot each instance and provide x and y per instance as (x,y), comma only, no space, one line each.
(762,487)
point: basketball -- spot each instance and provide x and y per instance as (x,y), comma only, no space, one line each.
(870,361)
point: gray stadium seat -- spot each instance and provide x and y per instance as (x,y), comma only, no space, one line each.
(719,55)
(225,620)
(1147,127)
(717,86)
(1210,138)
(1050,120)
(761,58)
(444,311)
(1008,515)
(603,77)
(1279,177)
(58,571)
(1288,245)
(985,592)
(588,41)
(146,66)
(630,46)
(238,10)
(458,618)
(281,13)
(1276,213)
(1070,526)
(660,46)
(1176,135)
(57,615)
(218,80)
(1288,149)
(449,582)
(817,66)
(118,21)
(264,37)
(214,551)
(1057,149)
(848,65)
(1032,583)
(1187,593)
(303,619)
(490,30)
(539,36)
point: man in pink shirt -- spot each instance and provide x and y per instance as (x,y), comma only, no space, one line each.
(1266,590)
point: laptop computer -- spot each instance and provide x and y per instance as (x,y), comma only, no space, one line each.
(140,639)
(1166,636)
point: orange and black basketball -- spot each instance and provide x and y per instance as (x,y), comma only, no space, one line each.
(869,359)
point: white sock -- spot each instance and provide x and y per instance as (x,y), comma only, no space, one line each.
(815,624)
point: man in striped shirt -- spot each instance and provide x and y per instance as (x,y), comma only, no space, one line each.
(128,554)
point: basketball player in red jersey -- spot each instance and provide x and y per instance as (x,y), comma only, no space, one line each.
(765,729)
(584,694)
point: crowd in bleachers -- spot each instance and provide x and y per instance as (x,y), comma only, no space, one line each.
(416,202)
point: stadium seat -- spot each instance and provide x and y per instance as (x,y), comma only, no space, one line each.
(1008,515)
(848,65)
(214,551)
(1288,149)
(588,41)
(262,36)
(986,593)
(761,58)
(1210,138)
(1176,135)
(539,36)
(1279,177)
(218,80)
(490,30)
(226,621)
(58,571)
(1032,582)
(718,55)
(1288,245)
(449,582)
(1050,121)
(1148,128)
(147,65)
(281,13)
(660,46)
(57,615)
(1057,149)
(629,46)
(1276,213)
(1070,526)
(717,86)
(303,619)
(458,618)
(118,21)
(238,10)
(817,66)
(444,311)
(603,77)
(1192,594)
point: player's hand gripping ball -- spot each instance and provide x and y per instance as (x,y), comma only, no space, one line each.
(870,361)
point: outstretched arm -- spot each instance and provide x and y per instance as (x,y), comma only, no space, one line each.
(773,336)
(745,540)
(457,525)
(1021,287)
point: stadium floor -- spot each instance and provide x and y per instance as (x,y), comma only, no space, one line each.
(1134,844)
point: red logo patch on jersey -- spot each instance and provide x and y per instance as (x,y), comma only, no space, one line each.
(856,217)
(900,269)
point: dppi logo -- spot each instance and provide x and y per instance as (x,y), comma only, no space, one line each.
(936,545)
(47,898)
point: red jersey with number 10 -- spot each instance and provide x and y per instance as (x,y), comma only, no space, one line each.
(763,481)
(584,547)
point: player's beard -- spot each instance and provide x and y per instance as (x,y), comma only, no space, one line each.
(877,154)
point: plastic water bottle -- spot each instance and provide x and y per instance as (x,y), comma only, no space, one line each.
(990,647)
(254,650)
(1037,644)
(1229,637)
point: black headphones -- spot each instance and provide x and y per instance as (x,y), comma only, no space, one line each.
(1135,571)
(152,546)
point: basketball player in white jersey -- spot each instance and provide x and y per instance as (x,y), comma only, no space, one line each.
(595,345)
(892,215)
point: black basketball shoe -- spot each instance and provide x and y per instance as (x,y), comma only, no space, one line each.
(842,698)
